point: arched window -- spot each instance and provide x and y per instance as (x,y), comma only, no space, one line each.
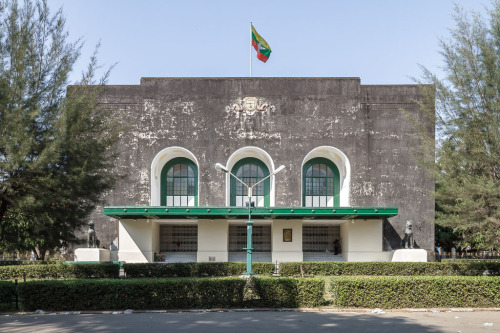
(179,183)
(320,185)
(250,170)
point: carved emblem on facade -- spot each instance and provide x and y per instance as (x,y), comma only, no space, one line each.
(249,106)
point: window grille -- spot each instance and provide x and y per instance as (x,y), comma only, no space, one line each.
(261,238)
(178,238)
(250,171)
(319,238)
(179,183)
(320,183)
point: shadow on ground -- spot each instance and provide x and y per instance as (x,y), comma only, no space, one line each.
(207,322)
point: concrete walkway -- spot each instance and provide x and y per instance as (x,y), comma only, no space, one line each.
(258,321)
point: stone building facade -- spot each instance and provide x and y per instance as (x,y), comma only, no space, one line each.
(355,137)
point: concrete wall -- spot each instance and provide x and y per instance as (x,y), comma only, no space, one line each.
(394,175)
(363,122)
(364,235)
(136,239)
(362,241)
(286,251)
(212,240)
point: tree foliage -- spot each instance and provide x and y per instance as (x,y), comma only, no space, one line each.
(56,144)
(467,115)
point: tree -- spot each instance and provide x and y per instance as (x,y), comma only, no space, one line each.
(56,144)
(467,115)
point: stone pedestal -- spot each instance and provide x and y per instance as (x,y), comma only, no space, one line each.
(410,255)
(92,254)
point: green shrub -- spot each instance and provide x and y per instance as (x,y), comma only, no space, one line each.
(288,292)
(416,292)
(151,270)
(262,268)
(96,271)
(28,262)
(7,291)
(59,271)
(219,268)
(160,294)
(139,294)
(470,260)
(391,268)
(159,270)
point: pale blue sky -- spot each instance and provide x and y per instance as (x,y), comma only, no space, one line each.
(380,41)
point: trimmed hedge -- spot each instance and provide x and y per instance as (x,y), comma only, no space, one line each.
(187,293)
(160,294)
(138,294)
(288,292)
(28,262)
(60,271)
(165,270)
(391,268)
(416,292)
(7,292)
(469,260)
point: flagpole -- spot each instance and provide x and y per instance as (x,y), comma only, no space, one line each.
(251,41)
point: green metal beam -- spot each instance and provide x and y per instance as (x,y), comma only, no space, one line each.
(308,213)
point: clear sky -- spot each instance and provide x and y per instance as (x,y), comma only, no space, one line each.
(380,41)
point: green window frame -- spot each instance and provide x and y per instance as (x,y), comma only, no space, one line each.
(179,183)
(250,170)
(320,183)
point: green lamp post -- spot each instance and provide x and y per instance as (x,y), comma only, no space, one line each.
(249,223)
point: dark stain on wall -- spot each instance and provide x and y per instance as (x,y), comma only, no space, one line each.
(363,121)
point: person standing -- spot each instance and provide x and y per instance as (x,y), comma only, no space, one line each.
(336,247)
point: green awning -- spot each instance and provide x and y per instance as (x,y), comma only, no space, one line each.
(272,213)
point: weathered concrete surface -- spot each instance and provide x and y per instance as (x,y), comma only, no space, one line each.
(364,122)
(250,321)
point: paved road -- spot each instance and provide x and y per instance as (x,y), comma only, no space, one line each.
(267,321)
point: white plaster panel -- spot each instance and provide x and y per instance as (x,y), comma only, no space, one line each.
(277,236)
(286,251)
(92,254)
(363,235)
(410,255)
(212,240)
(364,256)
(135,257)
(136,240)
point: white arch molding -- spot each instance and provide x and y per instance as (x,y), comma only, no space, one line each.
(255,152)
(159,162)
(341,161)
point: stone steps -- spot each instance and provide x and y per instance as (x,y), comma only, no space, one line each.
(322,256)
(256,257)
(174,257)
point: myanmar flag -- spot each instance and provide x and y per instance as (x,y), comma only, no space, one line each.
(260,45)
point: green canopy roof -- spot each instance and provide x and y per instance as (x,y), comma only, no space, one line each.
(308,213)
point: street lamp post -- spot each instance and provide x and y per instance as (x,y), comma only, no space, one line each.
(249,223)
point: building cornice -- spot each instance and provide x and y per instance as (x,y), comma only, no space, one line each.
(273,213)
